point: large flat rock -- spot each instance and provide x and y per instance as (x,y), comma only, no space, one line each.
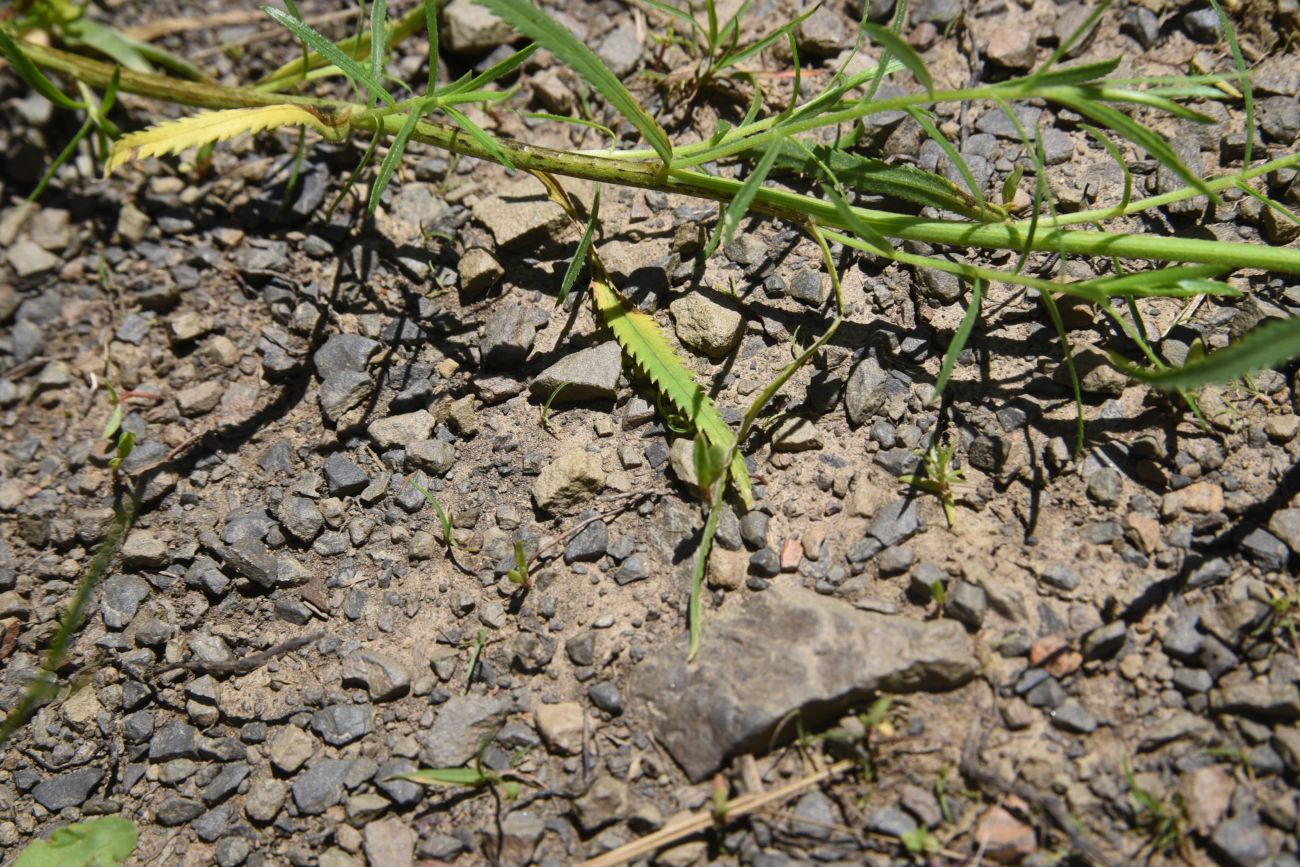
(787,649)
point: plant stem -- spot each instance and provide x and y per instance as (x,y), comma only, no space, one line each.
(649,173)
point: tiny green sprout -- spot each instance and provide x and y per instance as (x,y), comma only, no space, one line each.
(941,793)
(546,407)
(444,520)
(939,593)
(938,477)
(1160,820)
(710,462)
(719,802)
(480,641)
(519,574)
(919,841)
(114,418)
(125,445)
(476,777)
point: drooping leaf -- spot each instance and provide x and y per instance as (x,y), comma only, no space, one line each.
(28,72)
(923,118)
(106,841)
(175,136)
(958,341)
(447,777)
(330,52)
(108,42)
(1081,74)
(1266,346)
(739,205)
(392,158)
(762,44)
(477,133)
(526,17)
(878,178)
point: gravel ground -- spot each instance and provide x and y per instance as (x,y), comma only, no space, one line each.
(285,629)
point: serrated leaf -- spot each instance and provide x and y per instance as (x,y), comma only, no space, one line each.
(1266,346)
(175,136)
(877,178)
(906,54)
(640,337)
(330,52)
(103,842)
(29,73)
(526,17)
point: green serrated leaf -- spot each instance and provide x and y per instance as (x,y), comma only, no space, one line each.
(28,72)
(330,52)
(1266,346)
(106,841)
(531,21)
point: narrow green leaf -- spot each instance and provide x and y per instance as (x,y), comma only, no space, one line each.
(431,27)
(959,340)
(1124,126)
(878,178)
(1266,346)
(579,255)
(762,44)
(1174,282)
(957,159)
(580,121)
(446,776)
(497,70)
(1243,79)
(1106,143)
(476,132)
(392,158)
(108,42)
(1081,74)
(859,227)
(1011,183)
(740,203)
(28,72)
(526,17)
(906,54)
(378,24)
(330,52)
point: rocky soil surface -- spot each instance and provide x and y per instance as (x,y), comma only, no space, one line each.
(1109,676)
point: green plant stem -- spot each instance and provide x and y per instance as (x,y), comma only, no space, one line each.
(649,173)
(41,687)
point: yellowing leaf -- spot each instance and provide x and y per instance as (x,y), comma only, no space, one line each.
(197,130)
(640,337)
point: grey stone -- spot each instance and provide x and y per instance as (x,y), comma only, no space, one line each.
(1268,700)
(814,816)
(591,374)
(753,528)
(397,431)
(28,259)
(620,50)
(1202,25)
(173,741)
(707,325)
(1047,693)
(1106,486)
(795,434)
(343,477)
(865,394)
(1240,841)
(458,732)
(1285,525)
(588,545)
(468,28)
(891,821)
(383,677)
(177,810)
(783,640)
(896,522)
(478,272)
(568,481)
(605,695)
(1264,549)
(291,749)
(340,724)
(300,518)
(120,599)
(67,790)
(508,337)
(226,782)
(232,851)
(634,568)
(1059,576)
(251,558)
(806,286)
(518,219)
(434,457)
(1105,641)
(390,842)
(342,392)
(606,801)
(1071,716)
(321,786)
(341,353)
(966,603)
(264,800)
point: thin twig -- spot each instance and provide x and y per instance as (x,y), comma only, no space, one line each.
(245,664)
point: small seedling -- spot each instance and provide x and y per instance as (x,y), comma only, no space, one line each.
(938,476)
(920,841)
(444,520)
(476,777)
(1283,617)
(1160,820)
(480,641)
(519,575)
(546,407)
(719,799)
